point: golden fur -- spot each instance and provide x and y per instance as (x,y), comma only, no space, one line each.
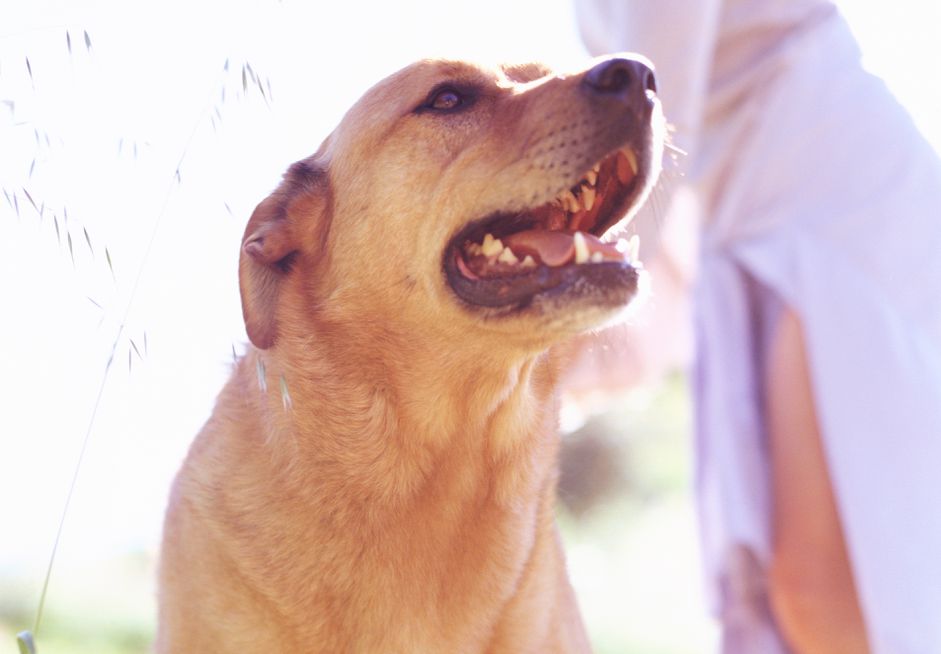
(379,473)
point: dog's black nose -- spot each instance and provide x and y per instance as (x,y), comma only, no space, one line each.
(619,75)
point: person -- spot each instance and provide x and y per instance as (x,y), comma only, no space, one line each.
(817,311)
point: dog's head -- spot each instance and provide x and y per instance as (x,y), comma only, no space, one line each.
(455,197)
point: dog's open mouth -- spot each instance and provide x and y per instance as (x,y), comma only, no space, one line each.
(505,260)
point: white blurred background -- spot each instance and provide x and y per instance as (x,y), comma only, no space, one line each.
(91,139)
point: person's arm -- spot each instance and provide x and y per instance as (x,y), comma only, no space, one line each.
(810,578)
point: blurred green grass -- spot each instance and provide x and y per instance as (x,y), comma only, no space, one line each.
(633,549)
(103,607)
(625,515)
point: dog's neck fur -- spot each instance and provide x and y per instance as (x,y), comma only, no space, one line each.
(360,445)
(408,415)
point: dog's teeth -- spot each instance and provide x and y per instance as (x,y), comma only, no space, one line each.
(630,248)
(507,256)
(569,201)
(491,246)
(597,257)
(632,160)
(633,248)
(473,249)
(528,262)
(627,166)
(581,248)
(597,167)
(591,176)
(625,169)
(588,197)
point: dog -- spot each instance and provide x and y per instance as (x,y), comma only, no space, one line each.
(379,473)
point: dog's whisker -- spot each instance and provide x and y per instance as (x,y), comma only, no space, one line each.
(285,395)
(674,149)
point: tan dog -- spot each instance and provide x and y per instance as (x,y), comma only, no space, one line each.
(379,473)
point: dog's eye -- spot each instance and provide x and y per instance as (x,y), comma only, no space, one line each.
(449,98)
(446,100)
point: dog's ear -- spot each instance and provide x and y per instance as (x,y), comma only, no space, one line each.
(287,224)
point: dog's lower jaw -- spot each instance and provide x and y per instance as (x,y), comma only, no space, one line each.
(401,518)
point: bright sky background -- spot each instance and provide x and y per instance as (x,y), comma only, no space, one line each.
(119,118)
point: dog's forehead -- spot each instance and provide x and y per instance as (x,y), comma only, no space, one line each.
(427,72)
(523,73)
(404,90)
(399,94)
(412,84)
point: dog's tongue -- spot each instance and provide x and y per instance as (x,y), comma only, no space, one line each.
(553,248)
